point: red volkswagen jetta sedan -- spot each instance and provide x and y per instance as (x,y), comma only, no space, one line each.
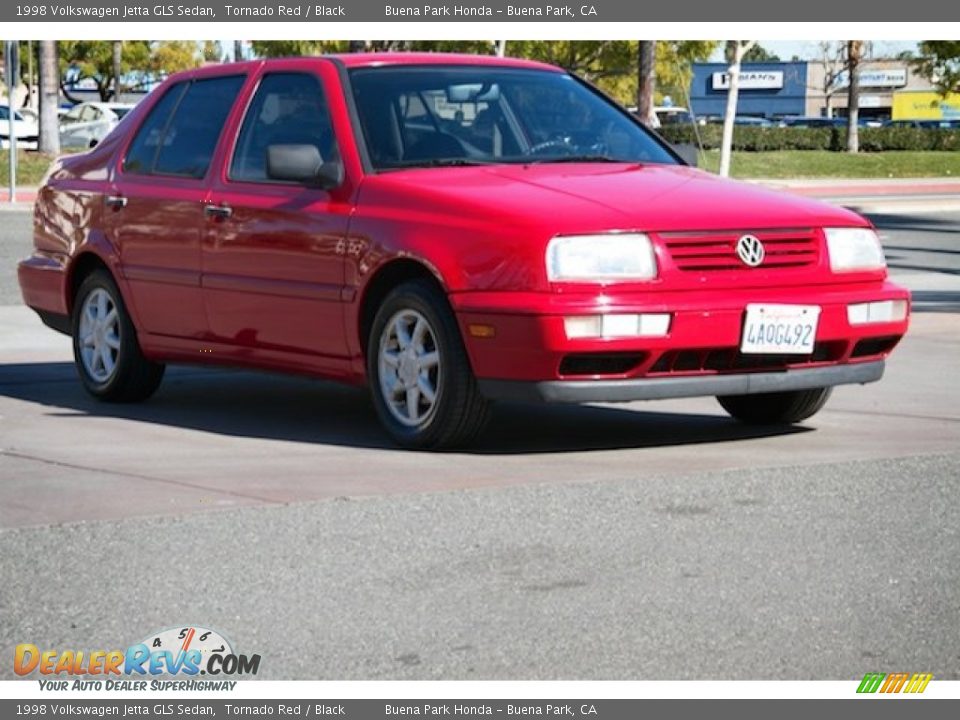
(449,230)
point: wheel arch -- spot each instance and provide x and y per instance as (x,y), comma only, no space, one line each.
(387,277)
(82,266)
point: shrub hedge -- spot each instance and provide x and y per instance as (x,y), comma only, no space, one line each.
(757,139)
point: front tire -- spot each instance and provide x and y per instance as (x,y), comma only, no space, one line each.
(105,347)
(420,378)
(781,408)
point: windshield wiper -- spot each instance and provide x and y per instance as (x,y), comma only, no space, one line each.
(438,162)
(578,158)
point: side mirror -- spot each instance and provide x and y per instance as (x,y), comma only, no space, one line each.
(302,164)
(688,153)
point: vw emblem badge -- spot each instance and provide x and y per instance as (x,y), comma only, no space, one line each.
(750,250)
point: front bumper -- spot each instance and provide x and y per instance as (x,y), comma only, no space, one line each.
(528,353)
(610,391)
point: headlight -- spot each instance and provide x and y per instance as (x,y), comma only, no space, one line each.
(853,249)
(601,258)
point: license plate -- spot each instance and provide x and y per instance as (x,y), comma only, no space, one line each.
(780,329)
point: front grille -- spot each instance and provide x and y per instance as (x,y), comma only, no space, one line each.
(721,360)
(717,251)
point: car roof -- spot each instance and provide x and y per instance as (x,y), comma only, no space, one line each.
(360,60)
(352,60)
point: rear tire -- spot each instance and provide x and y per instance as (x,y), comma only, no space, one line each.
(420,378)
(105,347)
(775,408)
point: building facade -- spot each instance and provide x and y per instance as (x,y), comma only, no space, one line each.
(770,90)
(815,88)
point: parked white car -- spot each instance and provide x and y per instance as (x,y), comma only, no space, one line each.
(86,124)
(25,130)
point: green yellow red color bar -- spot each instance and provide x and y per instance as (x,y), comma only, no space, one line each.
(894,682)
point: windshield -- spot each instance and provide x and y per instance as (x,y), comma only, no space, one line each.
(431,116)
(120,110)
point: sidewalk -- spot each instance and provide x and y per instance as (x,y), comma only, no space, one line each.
(875,194)
(24,198)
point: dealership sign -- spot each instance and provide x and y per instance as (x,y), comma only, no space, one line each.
(892,78)
(751,80)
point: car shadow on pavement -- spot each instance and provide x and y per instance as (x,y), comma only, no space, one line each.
(936,301)
(276,407)
(914,221)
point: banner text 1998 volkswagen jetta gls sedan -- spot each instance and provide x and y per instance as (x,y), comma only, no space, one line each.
(449,230)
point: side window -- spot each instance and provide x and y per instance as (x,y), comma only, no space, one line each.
(72,116)
(192,136)
(288,108)
(142,152)
(181,132)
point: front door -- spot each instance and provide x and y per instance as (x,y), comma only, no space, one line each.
(273,269)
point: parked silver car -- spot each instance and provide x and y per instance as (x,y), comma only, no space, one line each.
(25,130)
(86,124)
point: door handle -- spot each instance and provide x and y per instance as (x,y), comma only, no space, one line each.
(116,201)
(217,211)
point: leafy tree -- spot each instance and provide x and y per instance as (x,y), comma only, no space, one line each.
(939,62)
(141,62)
(211,51)
(174,56)
(610,64)
(758,53)
(675,65)
(296,48)
(93,60)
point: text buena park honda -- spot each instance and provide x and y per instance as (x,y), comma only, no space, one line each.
(550,710)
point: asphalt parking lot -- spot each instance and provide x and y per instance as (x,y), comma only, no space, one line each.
(649,541)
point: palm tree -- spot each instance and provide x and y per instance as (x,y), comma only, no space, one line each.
(646,80)
(854,56)
(736,49)
(49,98)
(117,60)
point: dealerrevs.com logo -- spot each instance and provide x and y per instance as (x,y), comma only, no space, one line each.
(914,683)
(184,652)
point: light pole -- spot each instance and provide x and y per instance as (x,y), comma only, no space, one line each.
(11,61)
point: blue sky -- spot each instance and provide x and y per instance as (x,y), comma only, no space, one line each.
(810,50)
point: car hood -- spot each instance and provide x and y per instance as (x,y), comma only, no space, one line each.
(591,197)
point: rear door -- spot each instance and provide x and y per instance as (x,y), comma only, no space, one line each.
(274,250)
(156,203)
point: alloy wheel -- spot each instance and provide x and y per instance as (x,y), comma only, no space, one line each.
(99,336)
(409,368)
